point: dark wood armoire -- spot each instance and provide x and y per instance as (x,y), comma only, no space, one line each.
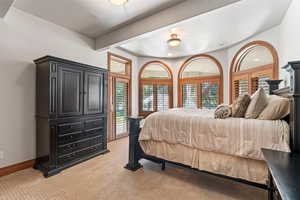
(71,113)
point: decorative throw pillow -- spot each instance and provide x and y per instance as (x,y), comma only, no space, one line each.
(240,106)
(258,103)
(277,108)
(223,112)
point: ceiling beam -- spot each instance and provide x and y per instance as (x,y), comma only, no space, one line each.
(165,18)
(5,5)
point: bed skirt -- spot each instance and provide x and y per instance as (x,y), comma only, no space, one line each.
(233,166)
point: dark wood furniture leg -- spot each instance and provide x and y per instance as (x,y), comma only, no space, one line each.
(134,147)
(270,187)
(163,166)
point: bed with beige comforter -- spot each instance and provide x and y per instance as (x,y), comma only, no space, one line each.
(229,146)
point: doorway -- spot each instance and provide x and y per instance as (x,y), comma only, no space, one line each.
(119,96)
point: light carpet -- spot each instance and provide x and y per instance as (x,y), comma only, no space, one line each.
(104,178)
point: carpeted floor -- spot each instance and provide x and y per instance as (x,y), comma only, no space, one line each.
(105,178)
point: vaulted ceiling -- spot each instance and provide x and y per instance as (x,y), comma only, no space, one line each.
(4,7)
(143,27)
(213,30)
(93,17)
(110,24)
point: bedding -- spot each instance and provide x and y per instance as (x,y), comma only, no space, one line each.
(223,112)
(239,107)
(233,166)
(257,104)
(197,129)
(277,108)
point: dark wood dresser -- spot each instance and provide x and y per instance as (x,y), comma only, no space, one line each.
(71,113)
(284,175)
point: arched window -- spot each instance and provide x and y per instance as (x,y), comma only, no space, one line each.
(200,82)
(156,88)
(253,64)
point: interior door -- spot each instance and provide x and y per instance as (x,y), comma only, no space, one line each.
(93,87)
(70,91)
(120,106)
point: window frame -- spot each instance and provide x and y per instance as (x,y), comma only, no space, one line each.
(271,70)
(154,82)
(198,80)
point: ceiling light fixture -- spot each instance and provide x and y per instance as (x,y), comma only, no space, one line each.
(174,41)
(119,2)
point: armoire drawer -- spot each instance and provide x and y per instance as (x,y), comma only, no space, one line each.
(70,137)
(79,135)
(69,127)
(69,148)
(94,132)
(65,159)
(94,123)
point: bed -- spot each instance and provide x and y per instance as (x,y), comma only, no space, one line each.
(194,137)
(229,148)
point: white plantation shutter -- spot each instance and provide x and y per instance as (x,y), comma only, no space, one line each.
(162,97)
(243,87)
(121,107)
(189,92)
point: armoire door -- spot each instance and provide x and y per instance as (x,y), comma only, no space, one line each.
(93,86)
(70,91)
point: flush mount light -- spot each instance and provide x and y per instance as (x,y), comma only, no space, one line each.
(119,2)
(174,41)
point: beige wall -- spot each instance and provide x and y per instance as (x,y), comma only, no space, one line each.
(289,34)
(24,38)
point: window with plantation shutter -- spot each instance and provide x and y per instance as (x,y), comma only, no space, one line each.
(162,97)
(256,62)
(155,88)
(121,107)
(200,83)
(242,87)
(148,98)
(189,95)
(209,95)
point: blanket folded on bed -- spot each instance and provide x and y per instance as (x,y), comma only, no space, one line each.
(233,136)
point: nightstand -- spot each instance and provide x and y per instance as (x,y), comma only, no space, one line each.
(284,175)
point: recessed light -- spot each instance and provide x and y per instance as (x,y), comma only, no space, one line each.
(170,54)
(119,2)
(256,59)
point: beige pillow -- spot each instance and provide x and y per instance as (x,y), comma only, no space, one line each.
(223,112)
(277,108)
(240,106)
(258,103)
